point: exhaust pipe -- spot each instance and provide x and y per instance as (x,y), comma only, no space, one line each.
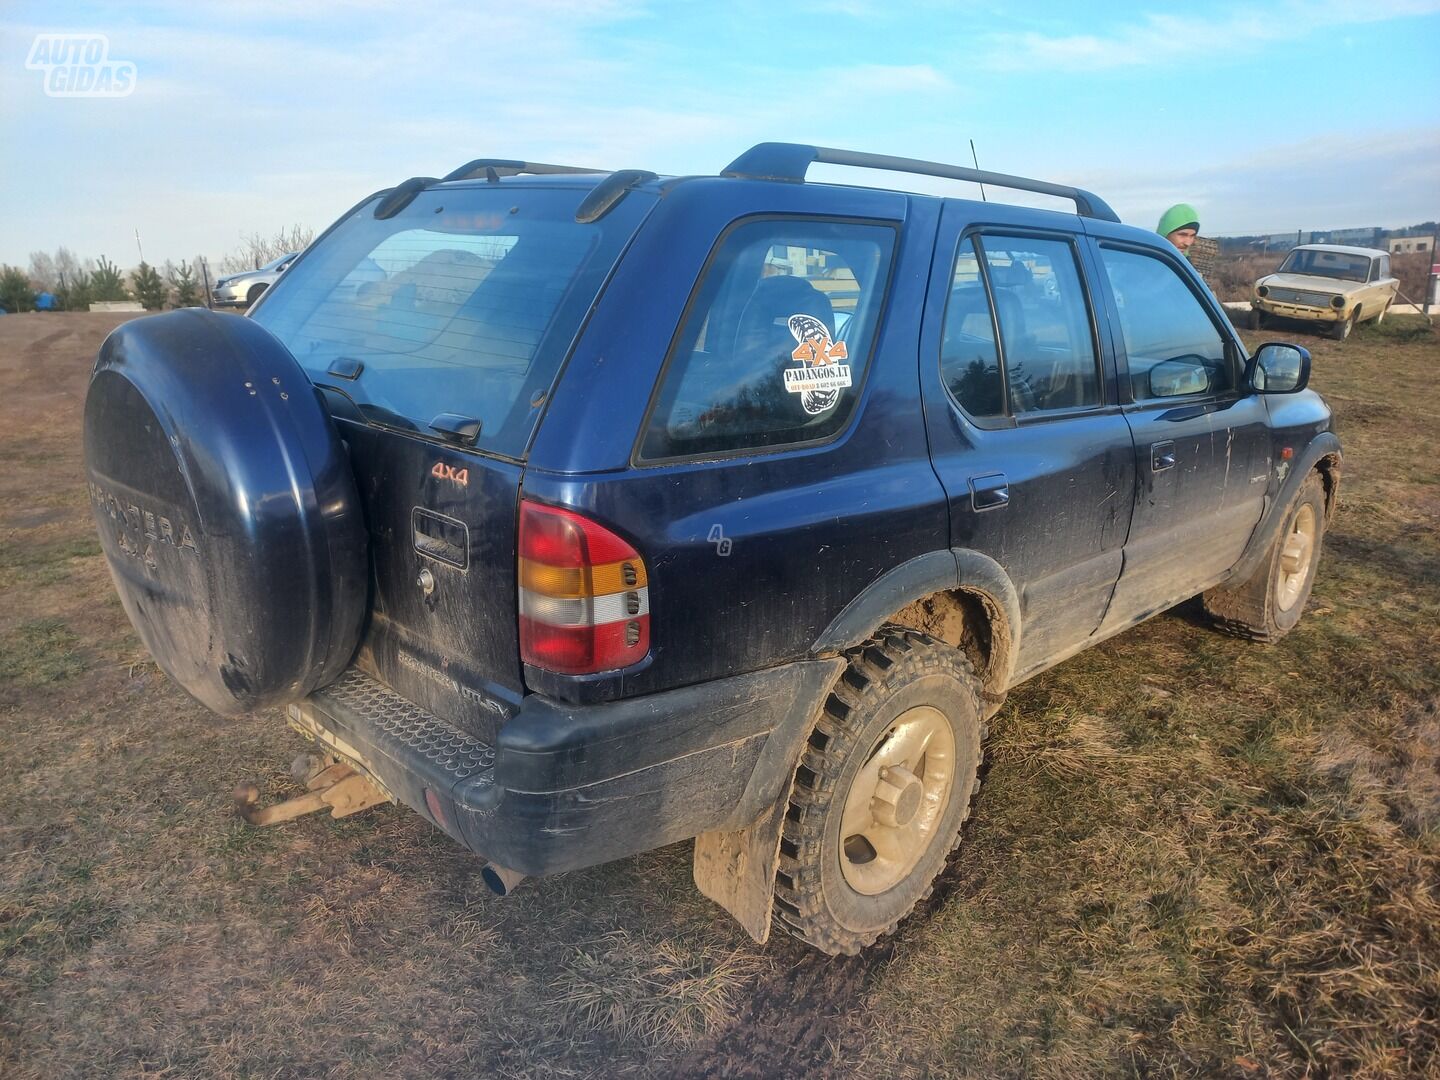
(501,879)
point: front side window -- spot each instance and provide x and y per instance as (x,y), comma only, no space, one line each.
(1171,345)
(775,342)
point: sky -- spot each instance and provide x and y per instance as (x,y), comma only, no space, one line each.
(1268,116)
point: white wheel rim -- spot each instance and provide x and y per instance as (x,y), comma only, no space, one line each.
(910,772)
(1295,556)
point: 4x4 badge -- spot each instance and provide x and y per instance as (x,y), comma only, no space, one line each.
(820,377)
(441,471)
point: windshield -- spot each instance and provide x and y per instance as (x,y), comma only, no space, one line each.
(1331,264)
(466,301)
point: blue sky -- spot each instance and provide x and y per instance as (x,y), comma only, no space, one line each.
(1268,116)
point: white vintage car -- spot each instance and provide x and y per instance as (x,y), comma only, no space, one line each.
(1343,286)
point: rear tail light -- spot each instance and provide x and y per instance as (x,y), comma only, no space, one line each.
(584,595)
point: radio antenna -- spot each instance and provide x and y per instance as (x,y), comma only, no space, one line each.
(976,159)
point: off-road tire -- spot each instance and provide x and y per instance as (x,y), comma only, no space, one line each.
(1343,328)
(896,670)
(1252,609)
(255,292)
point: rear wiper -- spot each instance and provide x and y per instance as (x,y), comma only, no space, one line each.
(457,428)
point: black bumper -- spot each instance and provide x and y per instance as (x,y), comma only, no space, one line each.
(568,786)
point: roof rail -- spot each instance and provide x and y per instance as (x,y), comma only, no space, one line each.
(494,168)
(790,161)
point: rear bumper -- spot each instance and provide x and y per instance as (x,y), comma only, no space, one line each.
(568,786)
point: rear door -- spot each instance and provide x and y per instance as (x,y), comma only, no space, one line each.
(1201,441)
(436,334)
(1036,460)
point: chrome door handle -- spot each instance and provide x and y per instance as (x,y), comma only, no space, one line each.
(1162,456)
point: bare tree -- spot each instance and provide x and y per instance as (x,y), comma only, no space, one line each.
(42,271)
(256,249)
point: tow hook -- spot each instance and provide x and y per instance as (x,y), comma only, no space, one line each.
(337,786)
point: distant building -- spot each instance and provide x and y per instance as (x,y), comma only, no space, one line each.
(1402,245)
(1354,237)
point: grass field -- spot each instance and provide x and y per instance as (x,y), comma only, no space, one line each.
(1193,856)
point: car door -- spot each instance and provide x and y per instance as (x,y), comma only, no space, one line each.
(1029,444)
(1202,448)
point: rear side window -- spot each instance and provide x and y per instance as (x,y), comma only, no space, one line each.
(1046,349)
(969,358)
(776,339)
(467,302)
(1171,347)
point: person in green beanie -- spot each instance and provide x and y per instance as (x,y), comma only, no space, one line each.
(1180,225)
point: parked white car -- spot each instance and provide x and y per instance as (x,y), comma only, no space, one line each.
(242,290)
(1342,286)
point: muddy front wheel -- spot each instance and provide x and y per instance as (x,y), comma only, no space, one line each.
(882,789)
(1269,604)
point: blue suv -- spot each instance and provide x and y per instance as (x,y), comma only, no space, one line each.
(589,512)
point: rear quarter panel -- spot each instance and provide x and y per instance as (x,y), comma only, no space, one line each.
(804,530)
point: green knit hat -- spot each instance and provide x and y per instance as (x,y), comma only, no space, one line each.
(1178,216)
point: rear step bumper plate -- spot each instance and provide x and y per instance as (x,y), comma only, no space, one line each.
(568,786)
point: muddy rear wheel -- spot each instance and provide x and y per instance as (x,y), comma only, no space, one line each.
(881,791)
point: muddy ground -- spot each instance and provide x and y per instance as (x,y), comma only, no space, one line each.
(1193,856)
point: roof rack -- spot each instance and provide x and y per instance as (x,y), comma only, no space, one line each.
(790,161)
(494,168)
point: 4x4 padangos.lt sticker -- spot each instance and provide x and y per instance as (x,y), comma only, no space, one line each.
(820,376)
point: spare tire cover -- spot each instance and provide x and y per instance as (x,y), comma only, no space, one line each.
(227,508)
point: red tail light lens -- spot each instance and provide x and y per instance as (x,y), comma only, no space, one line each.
(584,594)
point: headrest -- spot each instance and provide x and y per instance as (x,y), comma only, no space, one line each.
(767,312)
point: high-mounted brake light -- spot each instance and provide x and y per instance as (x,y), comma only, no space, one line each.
(584,596)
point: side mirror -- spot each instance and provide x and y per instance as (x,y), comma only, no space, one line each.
(1176,378)
(1280,368)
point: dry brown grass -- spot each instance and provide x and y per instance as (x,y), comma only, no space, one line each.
(1193,857)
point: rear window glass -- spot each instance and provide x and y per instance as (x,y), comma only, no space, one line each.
(776,340)
(467,302)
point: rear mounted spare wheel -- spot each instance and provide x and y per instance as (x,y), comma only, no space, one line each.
(227,509)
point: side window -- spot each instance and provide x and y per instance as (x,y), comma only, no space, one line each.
(969,359)
(776,339)
(1384,266)
(1172,347)
(1045,336)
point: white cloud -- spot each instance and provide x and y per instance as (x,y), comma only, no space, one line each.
(1159,40)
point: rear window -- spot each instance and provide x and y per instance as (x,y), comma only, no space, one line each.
(467,302)
(776,339)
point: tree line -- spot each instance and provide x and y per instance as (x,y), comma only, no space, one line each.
(73,284)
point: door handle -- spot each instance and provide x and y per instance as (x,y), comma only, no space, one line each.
(1162,455)
(989,492)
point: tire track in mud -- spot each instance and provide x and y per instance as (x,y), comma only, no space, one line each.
(802,1020)
(797,1022)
